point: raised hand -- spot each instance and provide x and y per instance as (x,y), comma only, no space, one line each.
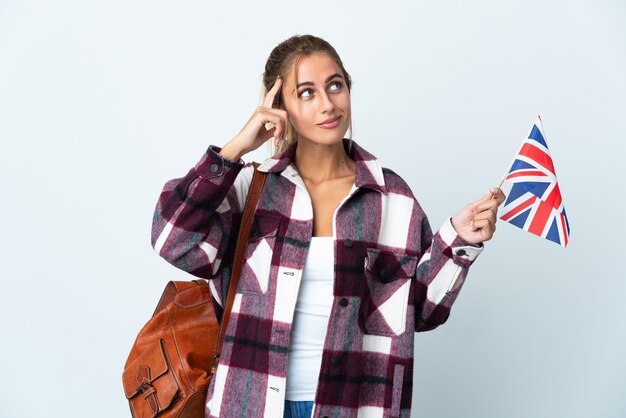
(476,222)
(264,124)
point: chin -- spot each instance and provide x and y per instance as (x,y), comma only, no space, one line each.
(329,138)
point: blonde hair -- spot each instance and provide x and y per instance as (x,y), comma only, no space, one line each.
(286,56)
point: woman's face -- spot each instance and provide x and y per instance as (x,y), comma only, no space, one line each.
(319,105)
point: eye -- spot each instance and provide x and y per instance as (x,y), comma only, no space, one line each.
(305,94)
(335,86)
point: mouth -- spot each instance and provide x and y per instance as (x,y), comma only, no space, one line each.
(330,122)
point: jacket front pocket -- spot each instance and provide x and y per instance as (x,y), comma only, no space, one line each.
(388,276)
(259,252)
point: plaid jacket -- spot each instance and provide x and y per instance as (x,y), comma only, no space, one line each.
(392,277)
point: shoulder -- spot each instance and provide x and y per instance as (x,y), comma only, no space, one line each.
(398,190)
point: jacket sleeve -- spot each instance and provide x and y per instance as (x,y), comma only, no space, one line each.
(441,272)
(198,215)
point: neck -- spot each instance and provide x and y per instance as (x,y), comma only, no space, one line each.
(317,163)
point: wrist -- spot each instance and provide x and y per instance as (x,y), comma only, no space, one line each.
(232,152)
(454,223)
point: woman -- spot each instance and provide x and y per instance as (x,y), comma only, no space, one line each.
(342,266)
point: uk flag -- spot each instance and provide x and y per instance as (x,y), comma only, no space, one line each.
(534,202)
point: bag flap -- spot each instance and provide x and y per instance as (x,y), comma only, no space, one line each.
(151,369)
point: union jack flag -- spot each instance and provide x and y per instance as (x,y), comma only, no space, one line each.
(534,202)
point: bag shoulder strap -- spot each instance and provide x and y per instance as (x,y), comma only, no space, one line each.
(258,180)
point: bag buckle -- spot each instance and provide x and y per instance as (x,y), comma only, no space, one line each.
(149,391)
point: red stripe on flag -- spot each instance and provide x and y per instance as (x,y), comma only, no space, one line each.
(564,227)
(538,155)
(554,198)
(526,173)
(540,219)
(518,209)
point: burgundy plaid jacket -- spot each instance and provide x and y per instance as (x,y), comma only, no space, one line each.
(392,277)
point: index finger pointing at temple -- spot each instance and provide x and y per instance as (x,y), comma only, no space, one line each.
(269,97)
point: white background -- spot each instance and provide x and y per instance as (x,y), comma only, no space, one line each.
(101,102)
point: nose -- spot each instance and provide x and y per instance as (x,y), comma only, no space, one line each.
(326,104)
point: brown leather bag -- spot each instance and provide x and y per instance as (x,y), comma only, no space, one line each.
(170,366)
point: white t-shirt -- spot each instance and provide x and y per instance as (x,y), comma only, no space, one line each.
(310,321)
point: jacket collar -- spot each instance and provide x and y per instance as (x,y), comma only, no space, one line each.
(369,173)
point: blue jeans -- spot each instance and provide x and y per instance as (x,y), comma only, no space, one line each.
(298,409)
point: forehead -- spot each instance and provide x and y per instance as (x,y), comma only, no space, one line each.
(313,68)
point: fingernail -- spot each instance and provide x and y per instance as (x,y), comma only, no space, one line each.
(494,190)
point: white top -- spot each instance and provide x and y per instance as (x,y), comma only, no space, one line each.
(310,321)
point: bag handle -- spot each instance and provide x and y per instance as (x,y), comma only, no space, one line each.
(254,194)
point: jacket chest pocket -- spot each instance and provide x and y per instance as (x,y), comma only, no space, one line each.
(255,275)
(388,276)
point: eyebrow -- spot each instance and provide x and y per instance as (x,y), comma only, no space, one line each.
(309,83)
